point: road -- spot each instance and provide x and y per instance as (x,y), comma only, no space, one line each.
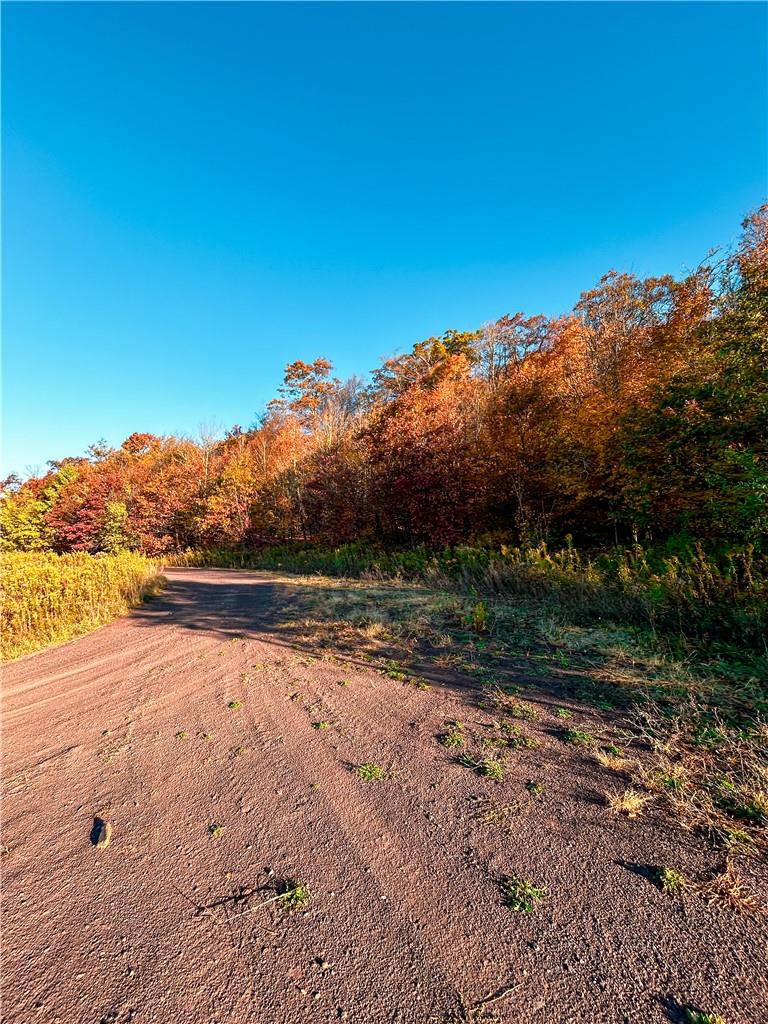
(190,725)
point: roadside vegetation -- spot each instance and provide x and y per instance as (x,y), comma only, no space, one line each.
(678,591)
(683,729)
(49,598)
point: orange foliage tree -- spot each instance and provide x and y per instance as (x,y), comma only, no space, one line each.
(642,412)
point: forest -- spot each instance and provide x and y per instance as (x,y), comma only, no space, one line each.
(638,418)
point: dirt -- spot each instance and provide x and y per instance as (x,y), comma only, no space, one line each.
(188,727)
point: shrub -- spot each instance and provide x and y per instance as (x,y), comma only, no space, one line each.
(48,598)
(679,589)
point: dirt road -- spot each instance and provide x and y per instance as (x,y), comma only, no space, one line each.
(192,726)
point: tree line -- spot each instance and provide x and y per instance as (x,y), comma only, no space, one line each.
(641,414)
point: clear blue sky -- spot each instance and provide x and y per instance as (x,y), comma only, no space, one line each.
(196,194)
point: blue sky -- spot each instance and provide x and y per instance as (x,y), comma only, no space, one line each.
(196,194)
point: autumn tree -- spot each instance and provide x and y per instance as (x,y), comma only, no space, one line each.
(642,412)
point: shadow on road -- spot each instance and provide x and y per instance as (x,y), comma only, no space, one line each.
(301,617)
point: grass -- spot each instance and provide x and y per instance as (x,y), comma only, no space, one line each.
(694,1016)
(369,772)
(453,735)
(489,767)
(521,895)
(215,830)
(613,762)
(728,889)
(295,896)
(678,590)
(710,773)
(182,734)
(628,802)
(671,881)
(321,725)
(235,705)
(48,598)
(578,737)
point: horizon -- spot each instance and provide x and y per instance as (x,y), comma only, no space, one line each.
(169,227)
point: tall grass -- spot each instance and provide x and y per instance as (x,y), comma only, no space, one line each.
(48,598)
(709,596)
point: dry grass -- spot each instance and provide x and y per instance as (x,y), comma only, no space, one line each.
(726,888)
(49,598)
(491,812)
(628,802)
(613,762)
(710,774)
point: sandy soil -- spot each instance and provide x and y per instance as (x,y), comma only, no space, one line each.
(405,911)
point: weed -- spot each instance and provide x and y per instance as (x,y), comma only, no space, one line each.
(343,682)
(239,751)
(517,739)
(50,598)
(493,742)
(563,713)
(488,767)
(215,830)
(520,894)
(182,734)
(369,772)
(478,617)
(493,769)
(578,737)
(207,736)
(235,705)
(628,802)
(320,725)
(726,888)
(612,762)
(394,671)
(420,684)
(492,813)
(521,709)
(525,743)
(453,735)
(671,881)
(295,896)
(693,1016)
(536,789)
